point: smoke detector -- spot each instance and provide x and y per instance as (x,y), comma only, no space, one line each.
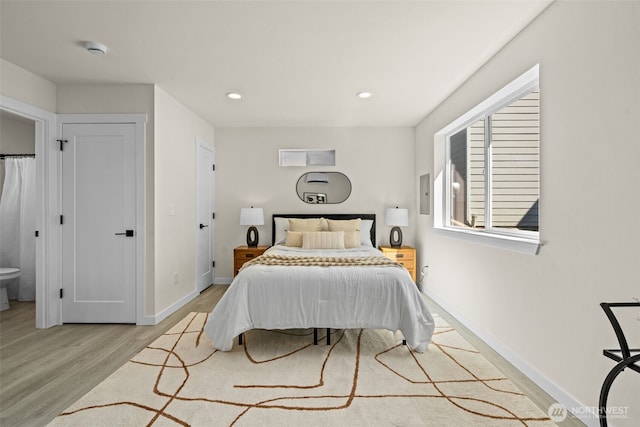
(96,48)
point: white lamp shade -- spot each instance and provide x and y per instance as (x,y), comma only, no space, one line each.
(396,217)
(251,216)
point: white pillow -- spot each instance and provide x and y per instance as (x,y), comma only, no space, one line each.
(365,232)
(282,225)
(323,240)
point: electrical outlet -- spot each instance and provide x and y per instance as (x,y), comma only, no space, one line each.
(175,277)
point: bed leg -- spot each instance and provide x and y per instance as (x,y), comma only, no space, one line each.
(315,336)
(404,342)
(328,336)
(240,339)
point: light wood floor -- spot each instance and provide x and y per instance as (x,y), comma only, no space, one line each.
(43,371)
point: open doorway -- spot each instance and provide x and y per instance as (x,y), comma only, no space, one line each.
(17,211)
(46,233)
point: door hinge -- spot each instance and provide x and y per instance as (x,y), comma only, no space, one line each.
(61,219)
(37,233)
(62,141)
(61,293)
(213,215)
(213,264)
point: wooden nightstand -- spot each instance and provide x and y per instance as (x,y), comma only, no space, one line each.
(405,255)
(242,254)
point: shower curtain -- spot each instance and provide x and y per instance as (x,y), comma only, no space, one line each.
(18,224)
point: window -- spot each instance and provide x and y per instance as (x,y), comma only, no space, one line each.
(492,168)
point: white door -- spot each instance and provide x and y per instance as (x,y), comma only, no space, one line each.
(99,217)
(205,217)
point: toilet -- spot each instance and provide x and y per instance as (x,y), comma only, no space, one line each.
(6,274)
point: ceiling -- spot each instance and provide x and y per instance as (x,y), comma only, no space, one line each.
(296,63)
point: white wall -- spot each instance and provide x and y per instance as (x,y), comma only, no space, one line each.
(23,85)
(17,136)
(169,178)
(121,99)
(542,311)
(169,173)
(175,185)
(378,161)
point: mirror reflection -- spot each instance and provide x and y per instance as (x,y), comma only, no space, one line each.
(323,187)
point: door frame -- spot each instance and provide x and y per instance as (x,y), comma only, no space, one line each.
(200,143)
(139,120)
(47,243)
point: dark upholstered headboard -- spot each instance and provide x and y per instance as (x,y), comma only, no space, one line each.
(328,216)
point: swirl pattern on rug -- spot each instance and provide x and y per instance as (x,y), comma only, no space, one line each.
(279,378)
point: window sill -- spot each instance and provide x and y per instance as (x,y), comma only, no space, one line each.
(510,243)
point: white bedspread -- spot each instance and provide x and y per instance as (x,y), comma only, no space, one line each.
(291,297)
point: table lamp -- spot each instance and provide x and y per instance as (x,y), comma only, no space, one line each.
(252,217)
(397,218)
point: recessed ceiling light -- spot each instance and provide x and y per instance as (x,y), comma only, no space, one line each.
(96,48)
(364,95)
(234,95)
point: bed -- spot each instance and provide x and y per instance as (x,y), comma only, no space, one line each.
(292,287)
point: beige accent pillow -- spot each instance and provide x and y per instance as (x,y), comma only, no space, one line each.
(323,240)
(351,239)
(300,224)
(293,238)
(344,225)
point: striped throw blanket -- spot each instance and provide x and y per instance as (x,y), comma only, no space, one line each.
(318,261)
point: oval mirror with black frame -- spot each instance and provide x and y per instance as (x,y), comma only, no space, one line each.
(323,187)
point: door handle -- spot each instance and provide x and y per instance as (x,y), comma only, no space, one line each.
(127,233)
(203,226)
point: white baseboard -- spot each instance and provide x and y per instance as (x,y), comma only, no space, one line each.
(154,320)
(146,321)
(552,389)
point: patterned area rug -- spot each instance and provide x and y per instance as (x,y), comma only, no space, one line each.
(279,378)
